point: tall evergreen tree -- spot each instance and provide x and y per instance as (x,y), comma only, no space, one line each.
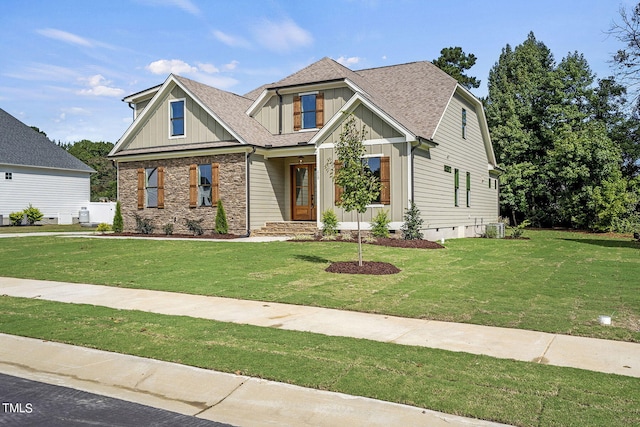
(455,62)
(552,131)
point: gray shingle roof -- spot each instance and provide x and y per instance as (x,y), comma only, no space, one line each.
(23,146)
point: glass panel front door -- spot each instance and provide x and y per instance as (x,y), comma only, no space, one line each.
(303,203)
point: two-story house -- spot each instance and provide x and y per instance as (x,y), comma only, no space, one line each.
(268,154)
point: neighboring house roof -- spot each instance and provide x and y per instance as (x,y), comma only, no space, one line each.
(22,146)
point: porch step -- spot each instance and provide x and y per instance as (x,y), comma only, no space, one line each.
(287,228)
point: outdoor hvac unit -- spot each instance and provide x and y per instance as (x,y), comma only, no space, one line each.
(495,230)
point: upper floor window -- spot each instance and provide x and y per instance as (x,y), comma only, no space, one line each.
(308,111)
(464,123)
(176,111)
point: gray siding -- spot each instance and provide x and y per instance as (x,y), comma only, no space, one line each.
(267,190)
(434,188)
(375,127)
(267,116)
(199,125)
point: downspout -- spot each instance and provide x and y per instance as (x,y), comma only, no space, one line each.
(248,190)
(279,112)
(134,110)
(413,168)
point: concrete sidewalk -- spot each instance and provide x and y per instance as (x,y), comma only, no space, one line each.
(617,357)
(225,398)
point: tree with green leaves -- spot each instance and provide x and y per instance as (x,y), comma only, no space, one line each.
(455,62)
(94,154)
(359,186)
(553,135)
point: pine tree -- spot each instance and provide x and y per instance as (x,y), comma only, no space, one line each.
(412,223)
(117,219)
(221,219)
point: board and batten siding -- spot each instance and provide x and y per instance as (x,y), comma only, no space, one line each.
(199,126)
(267,190)
(434,187)
(397,154)
(267,116)
(57,193)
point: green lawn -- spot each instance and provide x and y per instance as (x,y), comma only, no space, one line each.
(44,228)
(507,391)
(555,282)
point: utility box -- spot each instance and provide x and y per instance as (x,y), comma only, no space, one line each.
(495,230)
(83,217)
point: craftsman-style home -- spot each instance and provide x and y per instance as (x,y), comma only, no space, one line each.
(268,154)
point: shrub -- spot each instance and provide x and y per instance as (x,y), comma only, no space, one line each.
(329,223)
(380,224)
(16,217)
(412,223)
(33,215)
(144,225)
(117,219)
(168,229)
(221,219)
(102,227)
(516,232)
(195,226)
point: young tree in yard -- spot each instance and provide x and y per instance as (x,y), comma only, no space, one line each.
(359,186)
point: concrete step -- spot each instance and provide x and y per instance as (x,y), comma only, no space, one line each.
(287,228)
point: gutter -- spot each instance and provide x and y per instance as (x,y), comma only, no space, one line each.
(248,192)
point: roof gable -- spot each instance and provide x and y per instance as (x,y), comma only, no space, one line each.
(22,146)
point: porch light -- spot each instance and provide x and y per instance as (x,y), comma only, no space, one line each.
(300,159)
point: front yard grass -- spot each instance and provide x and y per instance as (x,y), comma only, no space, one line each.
(507,391)
(557,282)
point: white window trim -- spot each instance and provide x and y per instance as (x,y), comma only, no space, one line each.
(184,134)
(313,129)
(371,156)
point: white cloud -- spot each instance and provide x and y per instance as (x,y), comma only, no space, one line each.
(348,62)
(230,40)
(64,36)
(99,86)
(208,68)
(186,5)
(171,66)
(231,65)
(283,36)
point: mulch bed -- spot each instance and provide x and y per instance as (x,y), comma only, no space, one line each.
(368,267)
(177,236)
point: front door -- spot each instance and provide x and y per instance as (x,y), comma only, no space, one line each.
(303,197)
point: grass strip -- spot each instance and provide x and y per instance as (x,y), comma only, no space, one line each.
(518,393)
(556,282)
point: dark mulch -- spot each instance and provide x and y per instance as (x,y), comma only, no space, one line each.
(178,236)
(368,267)
(380,241)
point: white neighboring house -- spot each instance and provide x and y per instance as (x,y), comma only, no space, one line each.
(34,170)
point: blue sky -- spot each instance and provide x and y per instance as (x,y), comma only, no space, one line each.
(67,64)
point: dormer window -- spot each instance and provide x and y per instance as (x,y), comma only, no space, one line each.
(308,111)
(176,114)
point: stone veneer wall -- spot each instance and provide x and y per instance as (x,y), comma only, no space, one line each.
(176,210)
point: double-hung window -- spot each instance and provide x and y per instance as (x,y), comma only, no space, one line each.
(373,164)
(151,187)
(204,185)
(176,112)
(308,111)
(379,167)
(308,104)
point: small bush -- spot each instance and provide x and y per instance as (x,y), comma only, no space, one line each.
(221,219)
(412,223)
(168,229)
(102,227)
(380,224)
(117,219)
(33,215)
(329,223)
(516,232)
(144,225)
(195,226)
(16,217)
